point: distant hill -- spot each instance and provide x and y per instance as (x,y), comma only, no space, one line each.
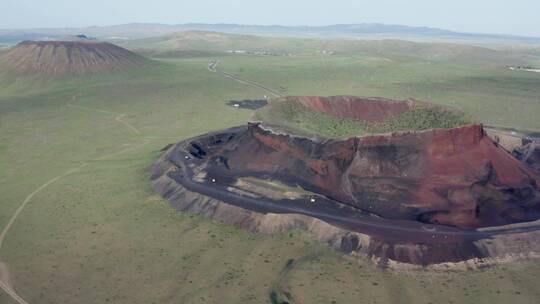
(205,43)
(366,31)
(67,58)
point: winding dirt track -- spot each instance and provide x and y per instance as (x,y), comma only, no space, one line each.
(5,284)
(30,196)
(119,116)
(4,272)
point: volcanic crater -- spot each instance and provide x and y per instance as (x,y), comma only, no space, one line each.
(68,58)
(417,184)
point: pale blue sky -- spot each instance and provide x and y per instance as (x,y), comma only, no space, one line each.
(519,17)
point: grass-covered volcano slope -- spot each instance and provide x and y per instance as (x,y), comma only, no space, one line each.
(68,58)
(346,116)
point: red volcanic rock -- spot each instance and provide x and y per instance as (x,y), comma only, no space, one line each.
(456,177)
(366,109)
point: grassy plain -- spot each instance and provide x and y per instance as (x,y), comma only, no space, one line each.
(101,235)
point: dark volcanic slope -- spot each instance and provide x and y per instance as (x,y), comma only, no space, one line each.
(530,155)
(68,57)
(455,177)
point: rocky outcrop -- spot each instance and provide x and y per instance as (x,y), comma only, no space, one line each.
(523,146)
(68,58)
(530,155)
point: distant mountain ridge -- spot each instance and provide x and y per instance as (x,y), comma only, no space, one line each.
(365,30)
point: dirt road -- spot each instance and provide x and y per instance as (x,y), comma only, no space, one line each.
(213,67)
(5,283)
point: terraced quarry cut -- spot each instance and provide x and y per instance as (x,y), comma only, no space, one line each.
(412,182)
(68,58)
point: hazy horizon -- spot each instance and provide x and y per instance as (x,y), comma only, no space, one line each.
(489,17)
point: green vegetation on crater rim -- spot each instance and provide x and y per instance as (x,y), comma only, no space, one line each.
(296,118)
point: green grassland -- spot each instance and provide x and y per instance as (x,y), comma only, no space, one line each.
(200,41)
(494,96)
(101,235)
(303,121)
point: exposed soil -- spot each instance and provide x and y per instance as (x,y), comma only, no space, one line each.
(68,57)
(415,197)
